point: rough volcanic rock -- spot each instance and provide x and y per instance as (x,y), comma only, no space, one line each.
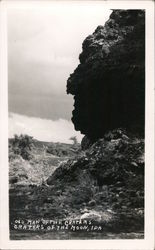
(117,157)
(109,83)
(111,174)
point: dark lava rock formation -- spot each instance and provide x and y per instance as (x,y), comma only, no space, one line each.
(109,83)
(109,176)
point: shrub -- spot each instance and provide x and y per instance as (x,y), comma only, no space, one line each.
(21,145)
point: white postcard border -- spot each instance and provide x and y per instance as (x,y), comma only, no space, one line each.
(148,242)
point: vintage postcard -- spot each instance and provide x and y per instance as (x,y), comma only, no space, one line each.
(77,124)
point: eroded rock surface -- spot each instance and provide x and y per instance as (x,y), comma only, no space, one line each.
(108,84)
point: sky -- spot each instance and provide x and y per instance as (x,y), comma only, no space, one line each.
(43,50)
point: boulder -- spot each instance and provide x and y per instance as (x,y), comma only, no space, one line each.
(92,215)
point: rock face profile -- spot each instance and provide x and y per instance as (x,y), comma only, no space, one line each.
(109,83)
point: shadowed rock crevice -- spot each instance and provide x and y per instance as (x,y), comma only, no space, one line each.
(109,83)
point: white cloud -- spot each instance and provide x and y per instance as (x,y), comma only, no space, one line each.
(42,129)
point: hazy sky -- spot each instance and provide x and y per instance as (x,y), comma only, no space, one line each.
(43,50)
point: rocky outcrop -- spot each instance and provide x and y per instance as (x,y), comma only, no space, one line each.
(109,83)
(107,177)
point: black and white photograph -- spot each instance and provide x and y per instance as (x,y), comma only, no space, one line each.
(77,85)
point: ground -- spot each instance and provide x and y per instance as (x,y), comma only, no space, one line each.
(97,193)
